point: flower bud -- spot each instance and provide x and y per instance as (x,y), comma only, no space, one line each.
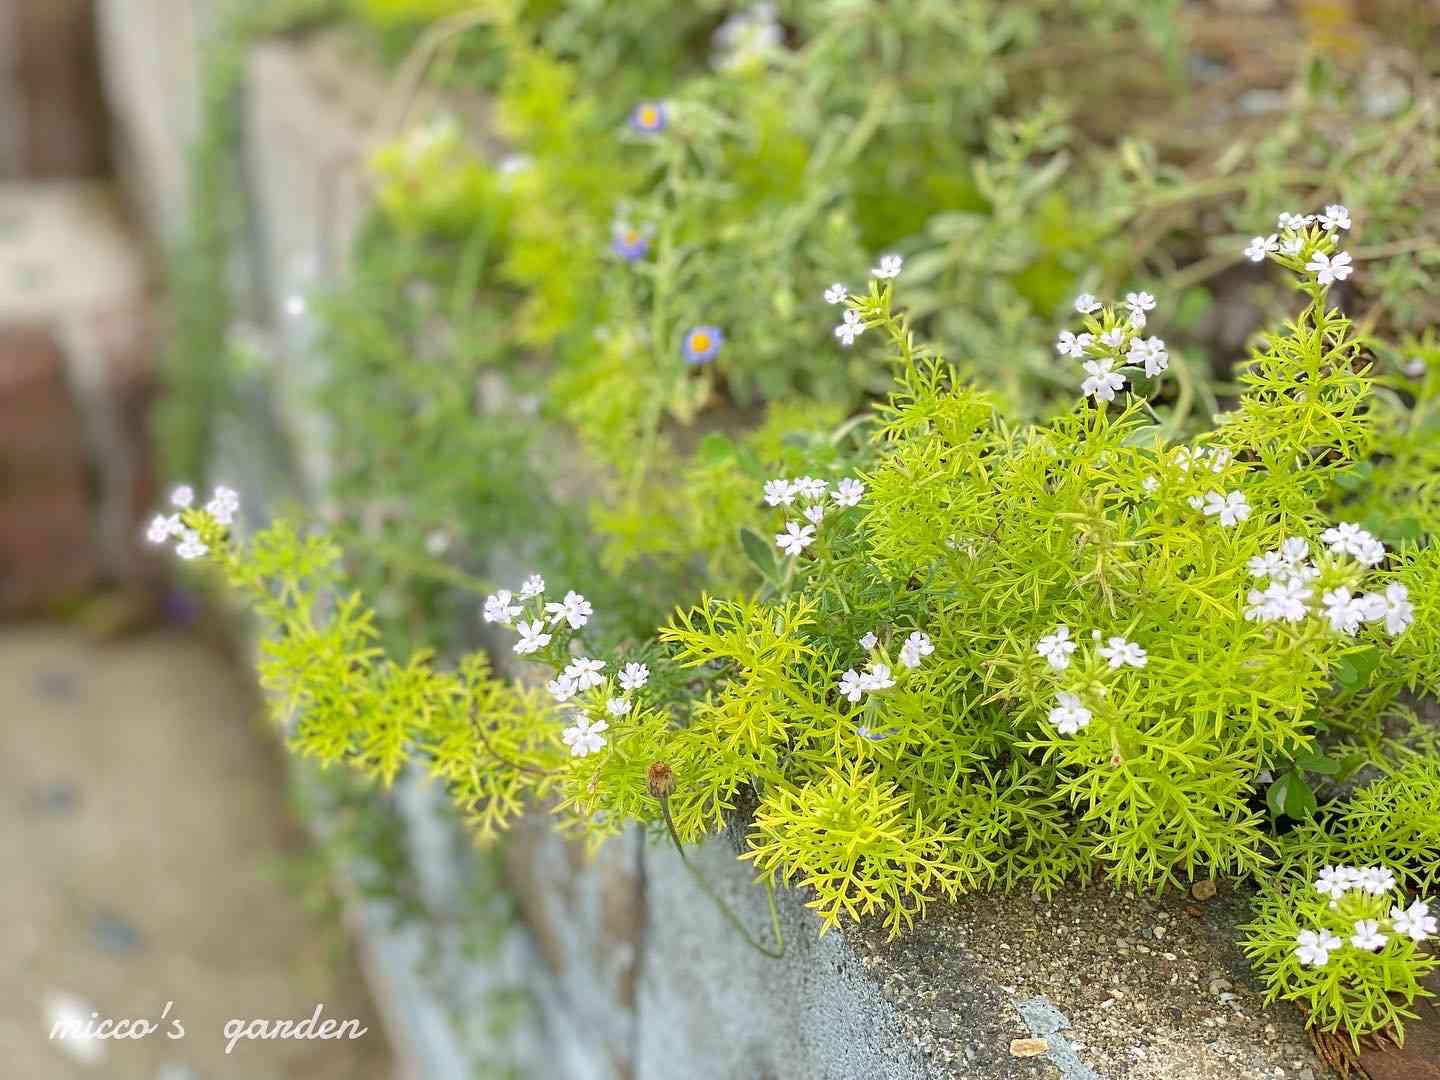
(660,779)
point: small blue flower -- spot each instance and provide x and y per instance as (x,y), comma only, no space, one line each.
(702,343)
(648,118)
(629,242)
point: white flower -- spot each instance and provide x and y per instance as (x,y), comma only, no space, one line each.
(190,546)
(1350,539)
(850,329)
(1344,612)
(1335,217)
(1288,599)
(1219,458)
(574,609)
(1150,352)
(162,528)
(1415,922)
(779,492)
(1295,550)
(811,488)
(437,542)
(1367,936)
(1057,647)
(1336,881)
(1371,553)
(1327,268)
(1150,484)
(1085,303)
(561,689)
(1377,880)
(1314,949)
(917,645)
(618,706)
(183,497)
(1119,651)
(1415,367)
(1292,245)
(1113,338)
(852,685)
(877,677)
(534,586)
(1138,304)
(1398,611)
(869,641)
(1071,344)
(1288,221)
(1231,507)
(848,492)
(796,538)
(223,505)
(1101,383)
(815,514)
(584,737)
(532,637)
(1261,246)
(837,293)
(889,266)
(584,672)
(634,676)
(499,609)
(1267,565)
(1069,716)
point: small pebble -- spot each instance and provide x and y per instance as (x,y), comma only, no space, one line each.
(1203,890)
(1028,1047)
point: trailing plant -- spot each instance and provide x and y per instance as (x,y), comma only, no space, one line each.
(899,692)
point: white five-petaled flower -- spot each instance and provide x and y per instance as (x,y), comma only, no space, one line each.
(1267,565)
(561,689)
(585,737)
(1394,606)
(1138,303)
(584,672)
(837,293)
(1330,268)
(534,586)
(850,329)
(618,706)
(1287,599)
(1085,303)
(779,492)
(811,488)
(532,637)
(1073,344)
(815,514)
(574,609)
(634,676)
(889,266)
(1150,352)
(1101,383)
(1232,507)
(163,527)
(796,538)
(1377,880)
(869,640)
(1415,922)
(1119,652)
(1056,647)
(1367,936)
(1113,338)
(1288,221)
(498,607)
(1335,217)
(1261,246)
(852,685)
(183,497)
(1344,612)
(223,505)
(916,646)
(848,491)
(1350,539)
(1336,881)
(1069,716)
(190,546)
(1150,484)
(1292,245)
(877,677)
(1313,949)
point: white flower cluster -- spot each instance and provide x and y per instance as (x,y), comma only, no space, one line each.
(810,491)
(1069,714)
(501,607)
(1289,585)
(877,676)
(1313,947)
(852,325)
(224,504)
(1111,340)
(1231,508)
(1312,235)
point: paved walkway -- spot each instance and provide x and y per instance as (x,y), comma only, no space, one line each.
(146,851)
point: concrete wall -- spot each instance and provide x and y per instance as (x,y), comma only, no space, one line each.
(633,970)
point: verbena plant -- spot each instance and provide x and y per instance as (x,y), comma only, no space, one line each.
(979,653)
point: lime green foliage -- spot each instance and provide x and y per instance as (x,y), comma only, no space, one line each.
(1391,823)
(434,181)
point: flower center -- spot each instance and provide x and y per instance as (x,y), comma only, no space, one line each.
(699,341)
(648,116)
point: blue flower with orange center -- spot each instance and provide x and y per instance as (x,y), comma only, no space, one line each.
(702,343)
(648,118)
(629,242)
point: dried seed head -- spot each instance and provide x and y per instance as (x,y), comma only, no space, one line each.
(660,779)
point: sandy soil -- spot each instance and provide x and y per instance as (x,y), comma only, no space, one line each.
(145,841)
